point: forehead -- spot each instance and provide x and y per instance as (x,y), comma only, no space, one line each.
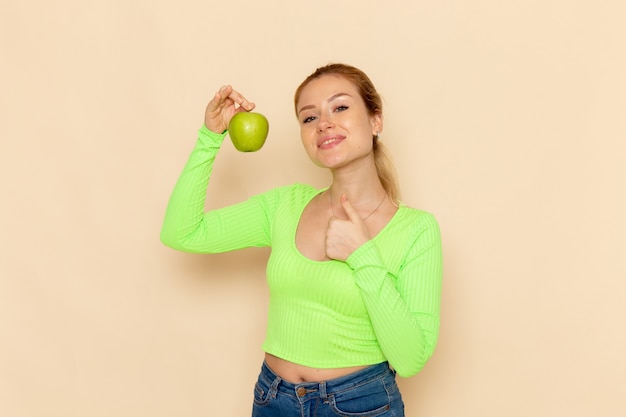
(327,86)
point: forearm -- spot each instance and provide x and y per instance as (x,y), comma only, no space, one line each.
(403,309)
(185,210)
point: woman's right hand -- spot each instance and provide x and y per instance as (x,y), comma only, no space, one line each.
(223,106)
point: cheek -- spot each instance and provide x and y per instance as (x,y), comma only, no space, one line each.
(307,133)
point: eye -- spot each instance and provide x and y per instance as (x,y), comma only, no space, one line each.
(308,119)
(341,108)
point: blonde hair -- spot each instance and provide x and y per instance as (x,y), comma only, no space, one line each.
(374,104)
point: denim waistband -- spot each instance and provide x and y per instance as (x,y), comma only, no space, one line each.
(324,388)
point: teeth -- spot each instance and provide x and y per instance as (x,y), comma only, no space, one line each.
(326,142)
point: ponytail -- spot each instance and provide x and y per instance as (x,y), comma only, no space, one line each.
(386,171)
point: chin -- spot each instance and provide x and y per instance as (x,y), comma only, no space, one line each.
(325,161)
(329,161)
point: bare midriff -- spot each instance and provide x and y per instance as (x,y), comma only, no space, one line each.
(292,372)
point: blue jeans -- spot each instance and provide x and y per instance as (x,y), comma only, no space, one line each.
(366,393)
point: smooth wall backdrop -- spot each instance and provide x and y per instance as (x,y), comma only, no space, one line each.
(507,120)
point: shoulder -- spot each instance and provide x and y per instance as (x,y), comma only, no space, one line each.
(416,217)
(420,228)
(295,193)
(298,188)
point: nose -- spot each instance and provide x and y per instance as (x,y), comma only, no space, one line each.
(324,123)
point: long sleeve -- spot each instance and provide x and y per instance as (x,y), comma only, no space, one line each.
(404,309)
(187,227)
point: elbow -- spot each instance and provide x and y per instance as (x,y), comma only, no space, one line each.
(166,240)
(412,366)
(408,370)
(177,241)
(407,374)
(169,239)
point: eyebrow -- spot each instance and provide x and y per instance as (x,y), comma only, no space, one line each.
(331,98)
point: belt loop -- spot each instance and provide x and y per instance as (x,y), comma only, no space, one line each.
(323,390)
(274,387)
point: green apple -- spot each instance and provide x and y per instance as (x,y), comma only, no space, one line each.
(248,131)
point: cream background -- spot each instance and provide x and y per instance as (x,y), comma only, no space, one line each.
(506,120)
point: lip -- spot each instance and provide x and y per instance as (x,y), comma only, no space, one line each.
(329,141)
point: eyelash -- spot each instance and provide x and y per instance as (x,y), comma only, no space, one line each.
(339,108)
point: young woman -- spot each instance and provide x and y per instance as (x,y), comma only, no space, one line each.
(354,275)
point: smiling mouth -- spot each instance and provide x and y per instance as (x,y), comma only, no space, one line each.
(329,142)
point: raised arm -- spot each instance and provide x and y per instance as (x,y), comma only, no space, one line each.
(186,226)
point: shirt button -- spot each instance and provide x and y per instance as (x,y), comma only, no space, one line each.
(301,392)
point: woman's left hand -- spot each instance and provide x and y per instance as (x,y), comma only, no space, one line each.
(345,236)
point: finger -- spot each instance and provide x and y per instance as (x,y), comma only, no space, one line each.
(220,97)
(244,104)
(238,98)
(350,211)
(225,98)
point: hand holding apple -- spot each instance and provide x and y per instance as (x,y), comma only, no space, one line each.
(248,131)
(223,106)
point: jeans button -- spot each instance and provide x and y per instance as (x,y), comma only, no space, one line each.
(301,392)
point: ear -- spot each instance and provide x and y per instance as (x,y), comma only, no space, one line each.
(377,123)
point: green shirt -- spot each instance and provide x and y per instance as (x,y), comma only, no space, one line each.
(381,304)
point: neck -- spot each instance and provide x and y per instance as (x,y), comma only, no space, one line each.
(363,190)
(356,181)
(364,216)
